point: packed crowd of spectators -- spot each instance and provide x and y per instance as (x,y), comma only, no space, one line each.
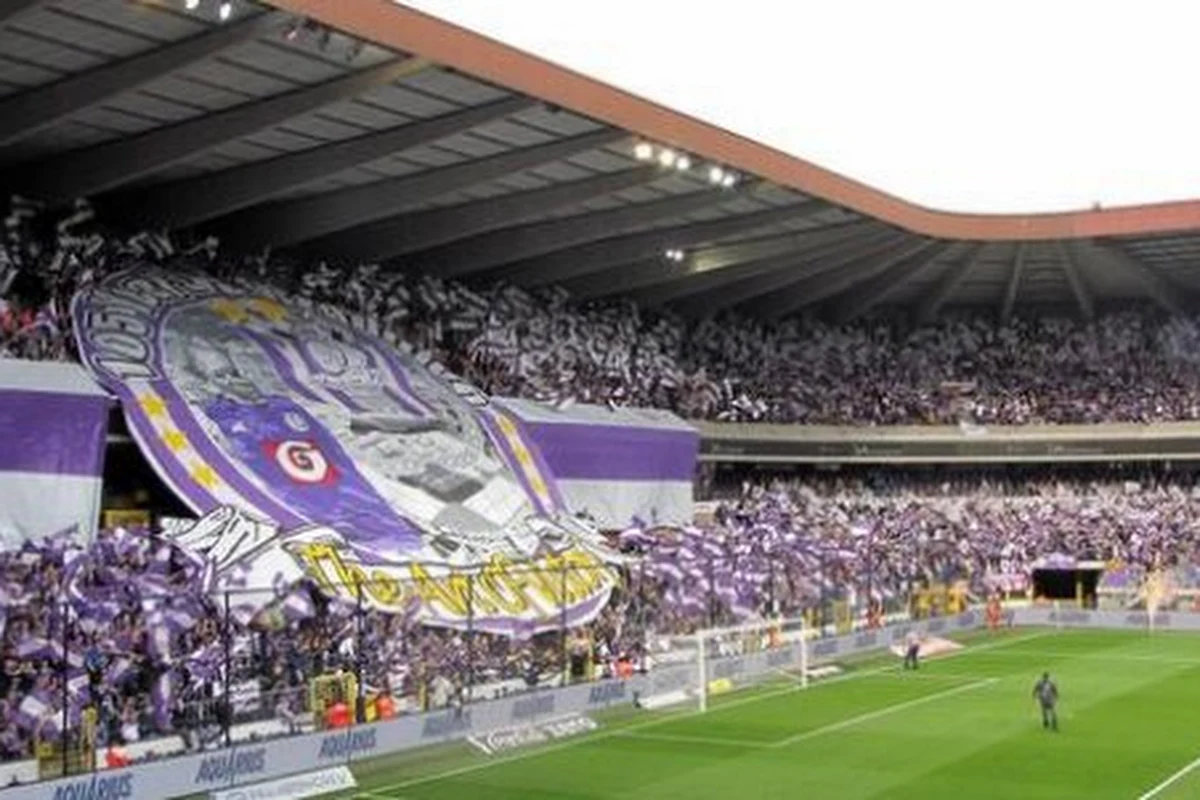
(132,627)
(1129,367)
(128,628)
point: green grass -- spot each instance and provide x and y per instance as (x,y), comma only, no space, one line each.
(965,726)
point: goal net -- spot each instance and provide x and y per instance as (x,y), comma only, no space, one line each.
(718,660)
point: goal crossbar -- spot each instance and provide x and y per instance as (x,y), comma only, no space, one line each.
(740,654)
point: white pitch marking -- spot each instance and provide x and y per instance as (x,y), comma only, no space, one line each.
(469,768)
(883,712)
(1169,781)
(682,739)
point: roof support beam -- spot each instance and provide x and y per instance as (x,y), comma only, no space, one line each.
(1083,295)
(491,250)
(1014,284)
(835,277)
(292,221)
(408,233)
(949,283)
(599,256)
(902,268)
(194,200)
(26,113)
(1156,286)
(799,272)
(711,266)
(9,9)
(107,166)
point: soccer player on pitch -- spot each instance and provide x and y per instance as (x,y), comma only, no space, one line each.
(1046,692)
(912,651)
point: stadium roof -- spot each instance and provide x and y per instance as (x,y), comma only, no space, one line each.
(364,130)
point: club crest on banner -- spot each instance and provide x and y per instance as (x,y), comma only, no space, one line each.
(302,462)
(370,464)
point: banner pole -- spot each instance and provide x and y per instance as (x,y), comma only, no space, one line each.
(712,595)
(360,711)
(227,717)
(803,654)
(66,694)
(562,624)
(470,637)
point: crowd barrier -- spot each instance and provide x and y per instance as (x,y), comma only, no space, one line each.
(247,763)
(1083,618)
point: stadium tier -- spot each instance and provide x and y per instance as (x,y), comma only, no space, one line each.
(1125,367)
(386,413)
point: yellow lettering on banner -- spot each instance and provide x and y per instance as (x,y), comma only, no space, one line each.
(553,578)
(499,587)
(346,576)
(385,588)
(516,578)
(452,592)
(493,579)
(311,555)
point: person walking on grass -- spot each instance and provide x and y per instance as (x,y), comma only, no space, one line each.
(1046,693)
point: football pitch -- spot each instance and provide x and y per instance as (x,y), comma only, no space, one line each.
(963,726)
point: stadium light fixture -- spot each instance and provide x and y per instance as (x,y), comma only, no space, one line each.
(683,164)
(191,5)
(729,181)
(225,11)
(644,151)
(674,254)
(666,157)
(716,175)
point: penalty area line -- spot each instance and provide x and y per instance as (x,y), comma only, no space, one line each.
(671,716)
(1175,776)
(685,739)
(883,712)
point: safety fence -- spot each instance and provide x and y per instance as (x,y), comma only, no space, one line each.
(248,762)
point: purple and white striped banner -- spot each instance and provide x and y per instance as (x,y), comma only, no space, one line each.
(53,422)
(312,447)
(618,465)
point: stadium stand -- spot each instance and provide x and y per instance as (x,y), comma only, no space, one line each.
(127,644)
(1126,367)
(147,644)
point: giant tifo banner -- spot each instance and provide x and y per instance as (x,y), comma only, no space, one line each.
(53,423)
(617,465)
(317,450)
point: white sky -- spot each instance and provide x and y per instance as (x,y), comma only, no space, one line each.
(961,105)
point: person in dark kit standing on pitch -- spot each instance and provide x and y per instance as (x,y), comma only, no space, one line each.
(911,651)
(1046,692)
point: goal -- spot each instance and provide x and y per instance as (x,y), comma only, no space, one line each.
(713,661)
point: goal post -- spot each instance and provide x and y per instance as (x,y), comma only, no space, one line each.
(724,659)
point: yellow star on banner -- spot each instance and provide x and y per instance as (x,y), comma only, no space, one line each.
(153,405)
(205,476)
(268,309)
(175,440)
(506,425)
(538,485)
(231,310)
(523,457)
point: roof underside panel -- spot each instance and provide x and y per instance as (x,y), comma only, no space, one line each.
(272,131)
